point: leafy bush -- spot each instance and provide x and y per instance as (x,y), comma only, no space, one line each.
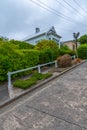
(82,51)
(45,56)
(12,59)
(40,76)
(48,50)
(62,52)
(76,61)
(64,61)
(83,39)
(24,84)
(21,44)
(65,50)
(46,44)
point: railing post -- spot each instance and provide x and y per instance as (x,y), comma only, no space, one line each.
(56,65)
(74,57)
(9,80)
(39,70)
(10,91)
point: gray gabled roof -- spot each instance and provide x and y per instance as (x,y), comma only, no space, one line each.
(49,31)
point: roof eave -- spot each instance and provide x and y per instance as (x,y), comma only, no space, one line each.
(55,34)
(34,36)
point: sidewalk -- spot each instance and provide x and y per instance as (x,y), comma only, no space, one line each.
(61,104)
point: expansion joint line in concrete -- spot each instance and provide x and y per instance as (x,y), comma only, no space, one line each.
(82,127)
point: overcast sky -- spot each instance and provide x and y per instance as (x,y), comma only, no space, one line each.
(19,18)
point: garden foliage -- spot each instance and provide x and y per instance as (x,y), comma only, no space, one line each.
(82,51)
(12,59)
(17,55)
(24,84)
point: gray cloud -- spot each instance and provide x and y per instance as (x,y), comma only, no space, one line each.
(18,18)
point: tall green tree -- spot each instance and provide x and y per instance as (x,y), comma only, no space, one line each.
(83,39)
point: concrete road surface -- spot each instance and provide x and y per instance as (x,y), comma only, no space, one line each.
(59,105)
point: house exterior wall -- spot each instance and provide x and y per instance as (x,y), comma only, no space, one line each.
(55,38)
(36,39)
(71,45)
(41,37)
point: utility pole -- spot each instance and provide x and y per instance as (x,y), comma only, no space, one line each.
(76,35)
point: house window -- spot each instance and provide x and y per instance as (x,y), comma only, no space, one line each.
(56,40)
(49,38)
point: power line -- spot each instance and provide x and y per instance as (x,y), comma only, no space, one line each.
(74,9)
(80,6)
(61,4)
(46,7)
(53,9)
(50,10)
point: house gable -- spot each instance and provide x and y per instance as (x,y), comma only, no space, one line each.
(40,35)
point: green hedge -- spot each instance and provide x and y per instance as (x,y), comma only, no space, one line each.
(45,56)
(12,60)
(82,51)
(48,55)
(21,44)
(63,51)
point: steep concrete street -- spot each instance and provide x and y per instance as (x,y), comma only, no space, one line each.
(59,105)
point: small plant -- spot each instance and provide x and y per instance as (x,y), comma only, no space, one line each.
(40,76)
(76,61)
(24,84)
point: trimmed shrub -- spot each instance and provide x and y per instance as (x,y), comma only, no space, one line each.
(40,76)
(61,52)
(82,51)
(24,84)
(48,50)
(12,59)
(21,44)
(46,44)
(64,61)
(45,56)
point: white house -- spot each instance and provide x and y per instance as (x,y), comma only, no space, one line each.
(49,34)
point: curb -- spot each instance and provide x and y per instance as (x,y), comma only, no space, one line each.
(7,102)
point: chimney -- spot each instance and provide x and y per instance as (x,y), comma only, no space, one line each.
(37,30)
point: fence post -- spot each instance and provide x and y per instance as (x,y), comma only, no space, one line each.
(39,70)
(10,91)
(9,80)
(56,65)
(74,57)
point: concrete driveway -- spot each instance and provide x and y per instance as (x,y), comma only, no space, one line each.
(59,105)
